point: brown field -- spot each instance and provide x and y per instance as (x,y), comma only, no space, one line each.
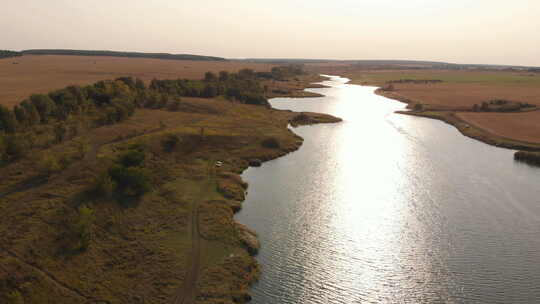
(41,74)
(519,126)
(465,95)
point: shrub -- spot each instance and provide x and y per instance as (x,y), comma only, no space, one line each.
(104,186)
(131,181)
(418,107)
(132,158)
(270,143)
(15,297)
(170,142)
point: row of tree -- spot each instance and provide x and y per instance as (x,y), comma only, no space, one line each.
(6,54)
(243,86)
(111,101)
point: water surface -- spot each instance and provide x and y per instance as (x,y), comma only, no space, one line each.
(387,208)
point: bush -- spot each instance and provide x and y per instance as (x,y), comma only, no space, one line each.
(270,143)
(418,107)
(104,186)
(130,181)
(132,158)
(15,297)
(170,142)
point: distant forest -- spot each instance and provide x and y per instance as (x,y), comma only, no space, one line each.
(6,54)
(122,54)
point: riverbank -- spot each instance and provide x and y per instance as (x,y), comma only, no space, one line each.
(239,270)
(465,127)
(145,248)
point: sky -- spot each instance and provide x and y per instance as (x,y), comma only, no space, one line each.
(458,31)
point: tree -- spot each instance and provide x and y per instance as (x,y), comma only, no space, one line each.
(139,84)
(246,73)
(223,76)
(31,112)
(210,76)
(210,91)
(8,122)
(44,105)
(60,132)
(131,181)
(20,115)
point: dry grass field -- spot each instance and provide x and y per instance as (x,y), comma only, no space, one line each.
(42,73)
(518,126)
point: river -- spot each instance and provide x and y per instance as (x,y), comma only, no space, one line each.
(389,208)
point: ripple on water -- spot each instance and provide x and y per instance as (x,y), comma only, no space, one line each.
(385,208)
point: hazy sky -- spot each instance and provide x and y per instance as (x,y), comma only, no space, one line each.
(461,31)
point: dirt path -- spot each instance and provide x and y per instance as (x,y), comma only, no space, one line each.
(188,291)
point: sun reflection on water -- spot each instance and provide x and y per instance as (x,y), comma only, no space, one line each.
(383,208)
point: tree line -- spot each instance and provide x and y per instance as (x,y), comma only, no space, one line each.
(7,54)
(122,54)
(57,115)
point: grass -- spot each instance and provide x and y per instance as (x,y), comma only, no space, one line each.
(140,252)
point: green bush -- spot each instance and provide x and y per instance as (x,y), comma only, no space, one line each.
(15,297)
(130,181)
(132,158)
